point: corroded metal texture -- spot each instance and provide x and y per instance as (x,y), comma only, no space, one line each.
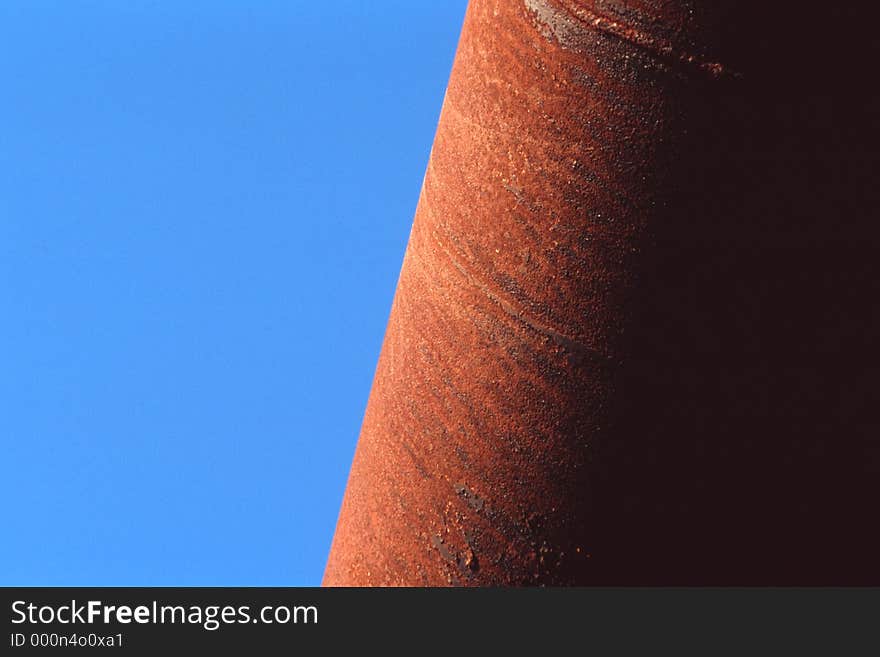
(633,339)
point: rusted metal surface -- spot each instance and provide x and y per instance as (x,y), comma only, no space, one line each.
(629,343)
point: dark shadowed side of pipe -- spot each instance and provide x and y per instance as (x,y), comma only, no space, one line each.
(635,335)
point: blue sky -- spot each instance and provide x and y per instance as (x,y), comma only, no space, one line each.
(203,211)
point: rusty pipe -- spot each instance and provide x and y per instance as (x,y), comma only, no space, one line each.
(628,344)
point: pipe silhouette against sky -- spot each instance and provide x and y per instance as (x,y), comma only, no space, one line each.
(634,338)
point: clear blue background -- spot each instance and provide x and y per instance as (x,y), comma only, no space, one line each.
(203,211)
